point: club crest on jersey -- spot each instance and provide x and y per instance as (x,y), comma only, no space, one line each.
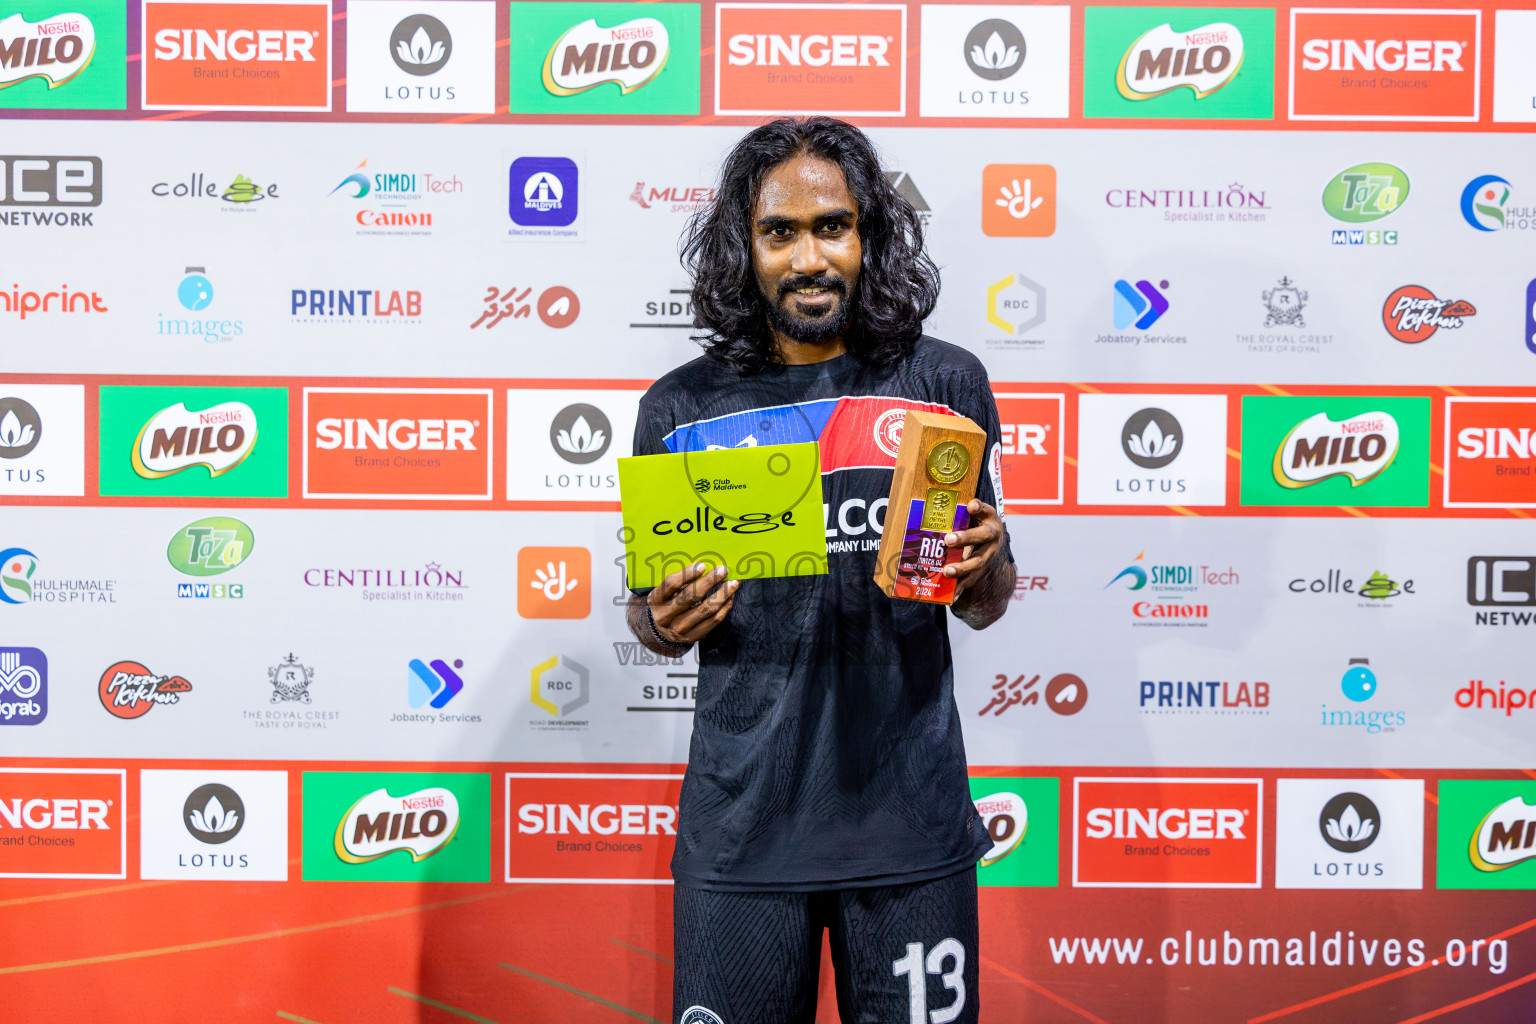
(699,1015)
(888,430)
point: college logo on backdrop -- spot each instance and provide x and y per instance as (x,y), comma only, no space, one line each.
(1152,449)
(209,824)
(426,444)
(1413,314)
(1349,834)
(130,690)
(194,441)
(1387,65)
(235,55)
(397,826)
(71,58)
(23,686)
(51,191)
(810,59)
(1490,453)
(421,57)
(42,439)
(995,61)
(604,58)
(1487,835)
(1168,833)
(1335,450)
(1030,463)
(63,823)
(593,828)
(1206,62)
(1023,819)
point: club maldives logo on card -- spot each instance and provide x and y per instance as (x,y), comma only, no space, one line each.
(1389,64)
(796,58)
(63,823)
(232,55)
(430,444)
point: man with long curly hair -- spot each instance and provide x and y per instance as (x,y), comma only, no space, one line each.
(826,784)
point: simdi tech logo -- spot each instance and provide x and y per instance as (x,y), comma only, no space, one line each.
(1196,62)
(1395,64)
(63,823)
(397,826)
(1023,817)
(421,57)
(805,58)
(1487,834)
(1335,451)
(237,55)
(1490,453)
(604,58)
(1151,833)
(194,441)
(64,55)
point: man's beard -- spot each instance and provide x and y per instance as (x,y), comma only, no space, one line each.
(815,324)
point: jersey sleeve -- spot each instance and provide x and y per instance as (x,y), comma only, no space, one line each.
(973,398)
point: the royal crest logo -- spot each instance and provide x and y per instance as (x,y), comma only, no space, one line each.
(419,823)
(54,49)
(1505,837)
(290,681)
(586,56)
(1201,60)
(128,689)
(1319,448)
(1284,303)
(176,438)
(1413,314)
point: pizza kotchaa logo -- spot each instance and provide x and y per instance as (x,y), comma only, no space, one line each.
(1335,450)
(604,58)
(194,441)
(397,826)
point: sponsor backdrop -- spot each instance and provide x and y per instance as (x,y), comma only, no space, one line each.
(325,324)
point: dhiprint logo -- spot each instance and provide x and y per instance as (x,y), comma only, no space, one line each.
(1412,314)
(176,438)
(20,428)
(23,686)
(1152,438)
(129,690)
(433,684)
(580,433)
(213,814)
(1349,822)
(554,583)
(1140,306)
(1018,200)
(421,45)
(1483,202)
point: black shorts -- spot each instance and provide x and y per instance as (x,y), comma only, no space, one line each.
(902,954)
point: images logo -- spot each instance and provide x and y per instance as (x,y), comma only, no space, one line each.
(23,686)
(70,60)
(1141,306)
(195,293)
(356,829)
(1335,450)
(1365,193)
(1487,835)
(1359,685)
(213,814)
(63,823)
(1018,200)
(1493,461)
(1208,62)
(237,55)
(604,58)
(810,58)
(1483,202)
(435,685)
(128,689)
(210,547)
(1168,833)
(1412,314)
(554,583)
(398,443)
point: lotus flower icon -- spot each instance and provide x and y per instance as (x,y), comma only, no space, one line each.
(994,55)
(214,818)
(1349,827)
(1350,822)
(580,438)
(420,49)
(14,433)
(1153,443)
(1152,438)
(213,813)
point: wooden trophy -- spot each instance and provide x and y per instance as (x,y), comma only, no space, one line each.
(937,467)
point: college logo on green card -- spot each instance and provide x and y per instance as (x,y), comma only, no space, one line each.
(397,827)
(571,58)
(1487,835)
(1335,451)
(1022,817)
(64,55)
(1179,62)
(194,442)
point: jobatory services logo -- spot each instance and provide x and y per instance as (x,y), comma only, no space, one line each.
(1395,64)
(995,61)
(1171,594)
(67,55)
(1498,584)
(1023,817)
(213,825)
(579,827)
(1490,453)
(1364,194)
(237,55)
(808,58)
(1349,834)
(1168,833)
(544,199)
(50,191)
(1152,449)
(1018,200)
(42,439)
(1487,834)
(1204,697)
(397,826)
(130,690)
(1413,314)
(21,583)
(1196,62)
(433,684)
(425,57)
(1016,306)
(428,444)
(1335,451)
(194,441)
(1030,464)
(1360,686)
(23,686)
(1065,693)
(554,582)
(195,293)
(1135,308)
(604,58)
(63,823)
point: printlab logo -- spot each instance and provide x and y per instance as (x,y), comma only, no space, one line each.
(1018,200)
(1152,438)
(195,293)
(557,306)
(554,582)
(129,690)
(1412,314)
(1203,696)
(290,680)
(23,686)
(1140,306)
(213,814)
(433,684)
(580,433)
(1349,822)
(1015,304)
(68,60)
(1065,694)
(1483,202)
(20,428)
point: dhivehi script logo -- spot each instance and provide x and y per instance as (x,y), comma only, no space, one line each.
(1501,838)
(177,438)
(55,49)
(1202,60)
(1318,448)
(420,823)
(1007,818)
(586,56)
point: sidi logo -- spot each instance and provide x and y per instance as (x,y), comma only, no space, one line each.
(1384,65)
(811,58)
(237,55)
(427,444)
(1168,833)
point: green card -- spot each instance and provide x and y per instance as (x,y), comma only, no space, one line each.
(756,510)
(397,827)
(1335,450)
(64,55)
(1207,62)
(1023,817)
(1485,835)
(215,442)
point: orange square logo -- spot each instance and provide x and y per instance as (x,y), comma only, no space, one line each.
(432,444)
(1490,459)
(554,583)
(1030,462)
(810,59)
(1018,200)
(1168,833)
(1384,65)
(63,823)
(222,55)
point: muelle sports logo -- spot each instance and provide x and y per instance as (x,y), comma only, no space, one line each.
(54,49)
(129,690)
(1413,314)
(1320,448)
(420,824)
(1202,60)
(587,55)
(176,438)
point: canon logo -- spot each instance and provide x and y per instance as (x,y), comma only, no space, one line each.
(56,813)
(839,51)
(603,819)
(267,44)
(1381,55)
(401,435)
(1165,823)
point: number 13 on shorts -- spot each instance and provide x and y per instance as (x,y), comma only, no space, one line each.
(914,965)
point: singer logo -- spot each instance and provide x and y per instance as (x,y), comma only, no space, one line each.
(591,828)
(1384,65)
(1030,463)
(1490,457)
(62,823)
(229,55)
(811,59)
(1168,833)
(218,438)
(428,444)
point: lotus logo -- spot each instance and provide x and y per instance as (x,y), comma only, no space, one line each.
(1151,438)
(1349,822)
(1505,836)
(1007,819)
(17,567)
(994,49)
(419,823)
(420,45)
(20,428)
(580,433)
(213,814)
(1319,448)
(1201,60)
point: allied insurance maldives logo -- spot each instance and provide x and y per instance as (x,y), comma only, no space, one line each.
(1205,62)
(400,443)
(1335,450)
(68,55)
(1168,833)
(229,55)
(811,59)
(194,441)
